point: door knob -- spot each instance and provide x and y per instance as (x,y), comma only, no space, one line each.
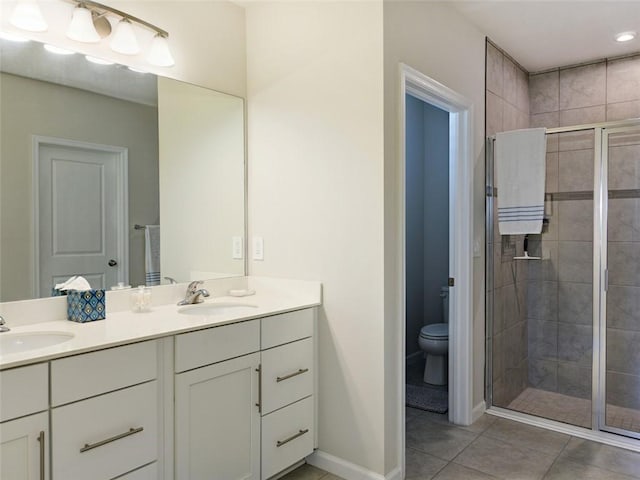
(112,263)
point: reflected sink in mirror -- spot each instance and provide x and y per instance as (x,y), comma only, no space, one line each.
(220,308)
(22,342)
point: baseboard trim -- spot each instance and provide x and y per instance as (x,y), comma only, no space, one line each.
(347,470)
(478,411)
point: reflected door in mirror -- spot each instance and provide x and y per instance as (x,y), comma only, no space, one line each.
(77,214)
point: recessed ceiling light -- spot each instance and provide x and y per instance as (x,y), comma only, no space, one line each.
(57,50)
(625,36)
(12,37)
(98,61)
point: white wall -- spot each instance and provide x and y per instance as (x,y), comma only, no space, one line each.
(434,39)
(207,38)
(315,133)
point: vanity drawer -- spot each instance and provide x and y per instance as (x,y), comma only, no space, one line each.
(287,374)
(287,436)
(204,347)
(287,327)
(106,436)
(23,391)
(83,376)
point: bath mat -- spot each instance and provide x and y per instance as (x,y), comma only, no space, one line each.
(425,398)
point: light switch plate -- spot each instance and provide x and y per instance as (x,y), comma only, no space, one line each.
(258,248)
(237,248)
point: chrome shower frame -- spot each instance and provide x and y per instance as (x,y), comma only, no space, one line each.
(599,431)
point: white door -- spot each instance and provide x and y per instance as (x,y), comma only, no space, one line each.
(218,422)
(23,449)
(79,216)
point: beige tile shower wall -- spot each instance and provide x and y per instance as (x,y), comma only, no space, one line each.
(507,108)
(560,287)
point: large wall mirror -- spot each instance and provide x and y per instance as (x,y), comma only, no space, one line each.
(96,158)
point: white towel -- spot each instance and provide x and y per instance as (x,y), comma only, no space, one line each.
(520,157)
(152,254)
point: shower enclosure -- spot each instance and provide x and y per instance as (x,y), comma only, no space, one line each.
(563,331)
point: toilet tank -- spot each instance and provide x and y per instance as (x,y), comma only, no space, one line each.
(444,294)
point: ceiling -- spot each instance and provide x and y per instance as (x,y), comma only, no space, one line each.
(545,34)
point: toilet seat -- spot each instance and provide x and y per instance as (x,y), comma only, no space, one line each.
(435,331)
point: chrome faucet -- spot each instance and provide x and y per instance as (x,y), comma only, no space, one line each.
(194,294)
(3,327)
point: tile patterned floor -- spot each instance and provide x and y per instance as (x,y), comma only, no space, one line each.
(575,411)
(497,448)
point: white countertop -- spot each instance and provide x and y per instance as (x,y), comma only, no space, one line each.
(122,327)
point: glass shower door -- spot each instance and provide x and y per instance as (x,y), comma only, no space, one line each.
(619,371)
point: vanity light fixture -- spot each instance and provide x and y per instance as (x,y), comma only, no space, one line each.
(27,16)
(57,50)
(81,28)
(159,53)
(625,36)
(124,39)
(89,24)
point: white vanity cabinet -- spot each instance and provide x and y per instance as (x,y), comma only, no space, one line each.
(217,419)
(244,398)
(105,411)
(24,423)
(288,384)
(229,402)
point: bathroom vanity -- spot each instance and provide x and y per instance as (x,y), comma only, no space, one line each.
(229,393)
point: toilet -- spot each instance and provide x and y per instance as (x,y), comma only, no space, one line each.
(434,342)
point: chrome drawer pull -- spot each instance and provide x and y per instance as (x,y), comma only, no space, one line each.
(259,404)
(280,443)
(42,459)
(90,446)
(291,375)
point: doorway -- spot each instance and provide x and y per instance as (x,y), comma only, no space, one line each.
(460,373)
(80,213)
(427,253)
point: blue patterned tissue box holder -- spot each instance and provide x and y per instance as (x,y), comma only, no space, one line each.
(86,306)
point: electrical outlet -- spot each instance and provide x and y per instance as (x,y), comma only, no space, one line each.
(237,248)
(258,248)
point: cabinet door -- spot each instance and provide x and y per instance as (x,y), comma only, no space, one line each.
(217,421)
(23,452)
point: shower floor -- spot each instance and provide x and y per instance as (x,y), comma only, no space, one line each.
(572,410)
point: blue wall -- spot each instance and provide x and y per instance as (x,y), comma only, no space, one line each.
(427,207)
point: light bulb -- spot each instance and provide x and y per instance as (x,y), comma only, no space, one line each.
(159,54)
(81,28)
(27,16)
(57,50)
(97,61)
(124,39)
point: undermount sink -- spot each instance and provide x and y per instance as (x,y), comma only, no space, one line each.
(22,342)
(219,308)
